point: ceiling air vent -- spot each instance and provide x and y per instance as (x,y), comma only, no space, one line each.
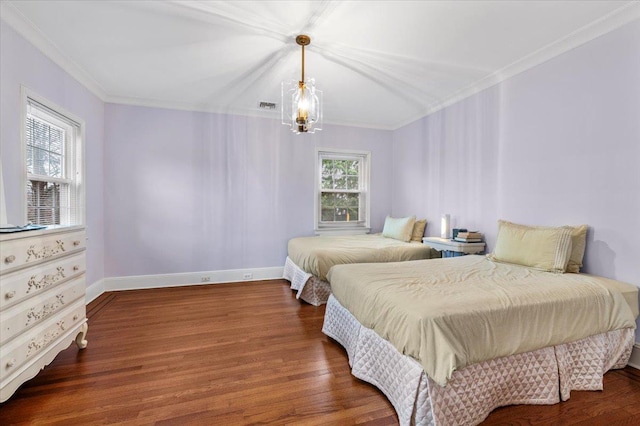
(267,105)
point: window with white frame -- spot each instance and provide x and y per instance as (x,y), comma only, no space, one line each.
(53,157)
(342,191)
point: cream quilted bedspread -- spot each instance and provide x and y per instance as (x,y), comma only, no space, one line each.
(316,255)
(453,312)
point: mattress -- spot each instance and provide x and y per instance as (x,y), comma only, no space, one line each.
(450,313)
(542,376)
(316,255)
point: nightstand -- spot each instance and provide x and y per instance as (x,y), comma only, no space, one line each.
(452,248)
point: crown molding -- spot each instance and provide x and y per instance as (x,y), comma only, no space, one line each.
(244,112)
(372,126)
(615,19)
(16,20)
(185,106)
(610,22)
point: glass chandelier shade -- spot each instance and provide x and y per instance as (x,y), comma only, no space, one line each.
(301,101)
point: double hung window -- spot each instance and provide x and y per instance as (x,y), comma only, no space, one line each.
(342,191)
(53,154)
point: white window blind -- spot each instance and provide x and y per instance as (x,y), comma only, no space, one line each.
(53,163)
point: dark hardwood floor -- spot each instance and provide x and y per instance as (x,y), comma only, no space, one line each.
(242,353)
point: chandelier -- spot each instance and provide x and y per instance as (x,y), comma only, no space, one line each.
(301,101)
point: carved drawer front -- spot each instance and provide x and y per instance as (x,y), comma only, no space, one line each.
(29,346)
(17,286)
(39,308)
(23,252)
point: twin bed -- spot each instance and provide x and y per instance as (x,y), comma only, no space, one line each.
(449,340)
(309,259)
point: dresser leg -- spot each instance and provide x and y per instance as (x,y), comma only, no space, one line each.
(80,338)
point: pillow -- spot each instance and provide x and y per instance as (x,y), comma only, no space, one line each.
(399,228)
(418,230)
(538,247)
(578,244)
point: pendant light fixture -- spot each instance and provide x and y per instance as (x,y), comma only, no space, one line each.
(301,101)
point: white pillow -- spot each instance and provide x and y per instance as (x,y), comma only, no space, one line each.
(399,228)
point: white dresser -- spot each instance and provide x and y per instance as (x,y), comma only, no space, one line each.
(42,300)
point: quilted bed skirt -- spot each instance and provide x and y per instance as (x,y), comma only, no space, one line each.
(543,376)
(308,287)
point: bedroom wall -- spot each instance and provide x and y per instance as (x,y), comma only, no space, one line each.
(175,191)
(193,191)
(22,64)
(557,144)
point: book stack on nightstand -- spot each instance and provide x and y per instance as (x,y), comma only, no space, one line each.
(453,248)
(469,237)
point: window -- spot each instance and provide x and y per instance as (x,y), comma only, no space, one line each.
(342,191)
(53,156)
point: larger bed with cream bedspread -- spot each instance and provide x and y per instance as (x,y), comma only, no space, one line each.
(310,259)
(448,340)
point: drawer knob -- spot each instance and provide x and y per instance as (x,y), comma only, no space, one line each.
(10,259)
(10,294)
(76,268)
(11,363)
(75,317)
(76,243)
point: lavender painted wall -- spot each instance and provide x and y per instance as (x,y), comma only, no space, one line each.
(175,191)
(22,64)
(448,163)
(191,191)
(558,144)
(183,191)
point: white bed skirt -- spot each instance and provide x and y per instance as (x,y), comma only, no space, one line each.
(308,287)
(543,376)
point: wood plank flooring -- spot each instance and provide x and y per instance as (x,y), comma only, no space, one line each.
(235,354)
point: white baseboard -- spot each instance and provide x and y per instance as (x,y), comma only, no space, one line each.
(138,282)
(634,361)
(94,290)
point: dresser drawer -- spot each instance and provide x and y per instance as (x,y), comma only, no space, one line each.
(17,286)
(29,346)
(37,309)
(22,252)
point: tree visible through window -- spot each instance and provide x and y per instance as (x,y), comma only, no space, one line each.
(53,161)
(340,197)
(342,190)
(43,202)
(45,159)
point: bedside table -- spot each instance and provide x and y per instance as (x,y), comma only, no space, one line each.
(451,248)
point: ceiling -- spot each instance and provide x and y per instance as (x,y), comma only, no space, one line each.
(380,64)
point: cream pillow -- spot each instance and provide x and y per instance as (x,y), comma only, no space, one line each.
(418,230)
(399,228)
(538,247)
(578,245)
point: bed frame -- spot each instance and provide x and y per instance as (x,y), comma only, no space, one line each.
(309,288)
(543,376)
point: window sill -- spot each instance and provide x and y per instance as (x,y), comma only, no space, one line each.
(342,231)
